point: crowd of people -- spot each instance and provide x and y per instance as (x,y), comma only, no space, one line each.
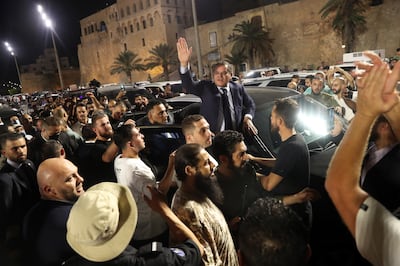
(80,186)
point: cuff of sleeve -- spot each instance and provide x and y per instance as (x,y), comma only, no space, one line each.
(249,116)
(183,70)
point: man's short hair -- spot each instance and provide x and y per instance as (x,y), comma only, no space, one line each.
(309,77)
(186,155)
(224,143)
(155,102)
(51,149)
(9,136)
(123,135)
(272,234)
(217,65)
(188,123)
(288,109)
(51,121)
(98,114)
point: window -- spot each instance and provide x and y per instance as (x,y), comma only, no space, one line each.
(213,39)
(178,20)
(183,2)
(137,26)
(125,30)
(125,47)
(169,18)
(131,27)
(151,22)
(91,29)
(156,2)
(143,42)
(122,13)
(148,3)
(85,30)
(128,10)
(134,8)
(167,1)
(141,5)
(103,26)
(144,24)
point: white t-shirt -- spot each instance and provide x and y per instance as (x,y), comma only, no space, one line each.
(135,174)
(378,234)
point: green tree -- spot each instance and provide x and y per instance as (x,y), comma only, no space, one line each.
(126,62)
(348,19)
(236,58)
(162,55)
(254,41)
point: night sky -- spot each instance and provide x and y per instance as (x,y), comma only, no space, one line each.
(22,27)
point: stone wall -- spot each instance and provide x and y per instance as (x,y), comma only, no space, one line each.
(301,38)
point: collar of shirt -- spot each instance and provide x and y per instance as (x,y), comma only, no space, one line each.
(12,163)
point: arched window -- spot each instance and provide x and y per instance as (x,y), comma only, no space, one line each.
(137,26)
(134,8)
(151,22)
(103,26)
(144,24)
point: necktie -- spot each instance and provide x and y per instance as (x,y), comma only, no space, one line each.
(226,109)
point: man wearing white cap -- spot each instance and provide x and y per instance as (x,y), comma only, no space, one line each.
(102,223)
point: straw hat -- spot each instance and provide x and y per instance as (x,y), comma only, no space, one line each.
(102,222)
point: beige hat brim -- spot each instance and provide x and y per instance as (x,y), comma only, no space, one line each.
(126,226)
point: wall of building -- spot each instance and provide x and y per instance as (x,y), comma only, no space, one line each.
(98,49)
(301,38)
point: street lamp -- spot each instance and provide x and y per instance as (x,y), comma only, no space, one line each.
(11,50)
(197,40)
(49,24)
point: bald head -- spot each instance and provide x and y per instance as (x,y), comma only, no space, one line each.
(58,179)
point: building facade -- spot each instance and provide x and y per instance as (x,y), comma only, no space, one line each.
(134,25)
(302,39)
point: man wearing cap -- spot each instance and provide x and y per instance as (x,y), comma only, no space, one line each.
(102,223)
(60,185)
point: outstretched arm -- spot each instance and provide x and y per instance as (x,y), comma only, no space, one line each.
(177,228)
(376,96)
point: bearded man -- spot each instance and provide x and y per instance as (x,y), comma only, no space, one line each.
(195,204)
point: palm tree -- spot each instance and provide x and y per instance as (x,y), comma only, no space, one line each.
(127,62)
(348,19)
(254,41)
(236,58)
(162,55)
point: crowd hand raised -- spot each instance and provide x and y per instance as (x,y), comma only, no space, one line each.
(184,52)
(376,85)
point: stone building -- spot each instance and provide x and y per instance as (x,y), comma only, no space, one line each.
(43,74)
(135,25)
(302,39)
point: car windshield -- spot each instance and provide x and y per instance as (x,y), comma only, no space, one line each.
(314,122)
(252,74)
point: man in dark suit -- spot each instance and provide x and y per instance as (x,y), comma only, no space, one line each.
(18,193)
(235,113)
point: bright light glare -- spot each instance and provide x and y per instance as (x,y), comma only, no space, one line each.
(314,123)
(40,9)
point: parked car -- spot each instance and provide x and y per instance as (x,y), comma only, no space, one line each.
(260,73)
(280,80)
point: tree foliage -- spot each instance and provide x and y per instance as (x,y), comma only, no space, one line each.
(254,41)
(162,55)
(348,19)
(126,62)
(236,58)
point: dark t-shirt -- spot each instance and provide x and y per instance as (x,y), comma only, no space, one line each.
(91,166)
(293,164)
(45,229)
(186,254)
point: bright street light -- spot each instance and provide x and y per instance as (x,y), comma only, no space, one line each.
(49,24)
(11,50)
